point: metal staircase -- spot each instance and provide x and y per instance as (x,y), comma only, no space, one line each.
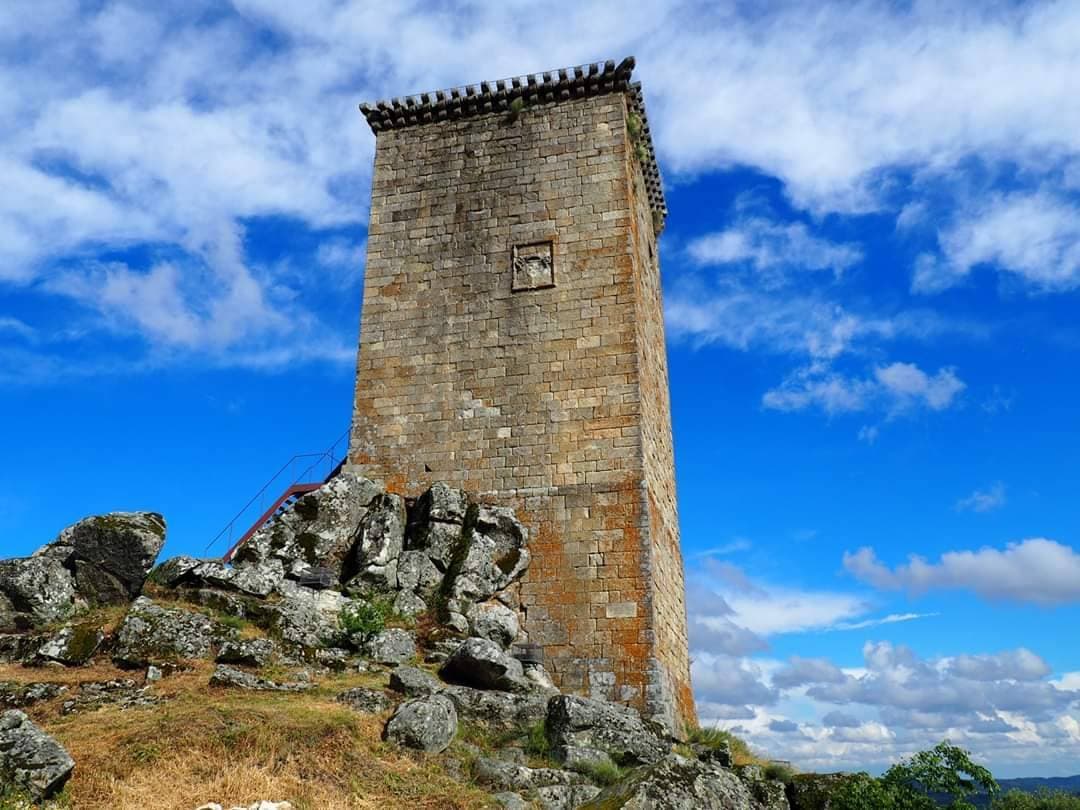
(303,473)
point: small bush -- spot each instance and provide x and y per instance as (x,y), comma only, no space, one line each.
(365,618)
(779,771)
(633,126)
(1041,800)
(719,738)
(536,741)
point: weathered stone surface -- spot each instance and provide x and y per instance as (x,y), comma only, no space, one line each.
(177,570)
(510,801)
(373,561)
(442,503)
(369,701)
(427,723)
(306,618)
(408,604)
(315,532)
(565,797)
(718,752)
(483,664)
(39,590)
(504,775)
(770,794)
(226,676)
(31,760)
(676,784)
(391,646)
(538,675)
(495,622)
(437,541)
(488,567)
(253,652)
(123,693)
(616,730)
(413,682)
(505,709)
(18,647)
(416,572)
(257,579)
(72,646)
(112,554)
(15,695)
(151,634)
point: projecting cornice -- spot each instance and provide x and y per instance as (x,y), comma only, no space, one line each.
(595,79)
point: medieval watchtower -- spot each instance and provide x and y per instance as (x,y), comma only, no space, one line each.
(512,343)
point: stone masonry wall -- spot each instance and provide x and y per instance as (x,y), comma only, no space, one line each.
(474,368)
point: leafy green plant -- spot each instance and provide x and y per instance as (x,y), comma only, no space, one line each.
(517,106)
(1040,800)
(602,773)
(779,771)
(944,770)
(365,618)
(633,126)
(719,738)
(536,741)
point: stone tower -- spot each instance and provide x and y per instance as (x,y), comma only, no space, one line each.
(512,344)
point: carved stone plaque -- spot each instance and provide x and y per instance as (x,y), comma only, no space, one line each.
(534,266)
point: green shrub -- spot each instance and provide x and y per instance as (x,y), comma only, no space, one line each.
(718,738)
(536,741)
(944,770)
(779,771)
(365,618)
(1041,800)
(603,773)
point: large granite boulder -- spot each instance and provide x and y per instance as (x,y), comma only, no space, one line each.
(413,682)
(249,652)
(427,723)
(676,783)
(306,619)
(495,557)
(565,797)
(73,645)
(372,565)
(390,646)
(30,760)
(618,731)
(151,634)
(112,554)
(495,622)
(318,531)
(498,709)
(99,560)
(226,677)
(484,664)
(503,775)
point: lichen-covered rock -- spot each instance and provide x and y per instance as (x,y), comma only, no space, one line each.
(18,647)
(769,793)
(391,646)
(413,682)
(496,555)
(71,646)
(31,760)
(368,701)
(409,604)
(19,695)
(305,618)
(373,562)
(438,541)
(483,664)
(123,693)
(504,775)
(176,570)
(38,589)
(112,554)
(427,724)
(498,709)
(617,730)
(442,503)
(151,634)
(226,676)
(416,572)
(576,758)
(317,531)
(676,783)
(252,652)
(257,579)
(509,800)
(495,622)
(566,797)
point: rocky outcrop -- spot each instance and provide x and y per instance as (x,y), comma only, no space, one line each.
(19,695)
(426,723)
(99,560)
(391,646)
(676,783)
(72,646)
(151,634)
(318,531)
(483,664)
(123,693)
(30,760)
(368,701)
(619,732)
(252,652)
(503,775)
(498,709)
(495,622)
(226,676)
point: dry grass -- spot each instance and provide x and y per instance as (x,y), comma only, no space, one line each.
(235,747)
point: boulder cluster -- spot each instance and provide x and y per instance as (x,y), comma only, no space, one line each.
(349,578)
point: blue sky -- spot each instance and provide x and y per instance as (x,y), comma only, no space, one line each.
(871,274)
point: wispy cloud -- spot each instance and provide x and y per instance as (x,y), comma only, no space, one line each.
(983,500)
